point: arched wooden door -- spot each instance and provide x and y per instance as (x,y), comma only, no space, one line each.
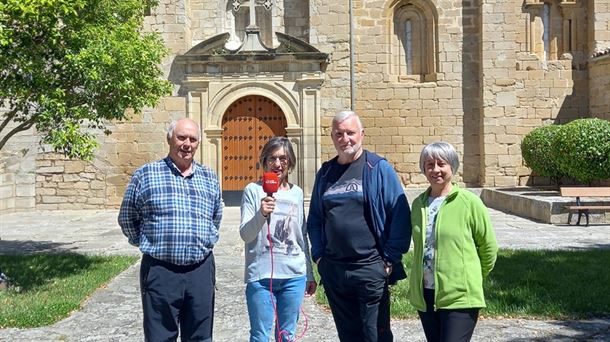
(247,125)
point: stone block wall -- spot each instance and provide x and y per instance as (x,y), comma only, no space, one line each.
(488,92)
(599,25)
(63,183)
(171,20)
(489,89)
(18,172)
(296,19)
(330,34)
(599,87)
(523,89)
(402,115)
(135,143)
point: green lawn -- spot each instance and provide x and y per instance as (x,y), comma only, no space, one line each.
(529,284)
(534,284)
(50,286)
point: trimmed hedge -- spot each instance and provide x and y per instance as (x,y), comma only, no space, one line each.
(579,149)
(537,151)
(583,149)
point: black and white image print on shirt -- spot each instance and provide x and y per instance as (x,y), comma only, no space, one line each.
(345,187)
(284,224)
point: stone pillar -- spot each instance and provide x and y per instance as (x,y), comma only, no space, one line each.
(500,145)
(599,32)
(309,93)
(197,108)
(295,135)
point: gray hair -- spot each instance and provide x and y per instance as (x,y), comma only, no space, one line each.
(344,115)
(275,143)
(440,150)
(172,127)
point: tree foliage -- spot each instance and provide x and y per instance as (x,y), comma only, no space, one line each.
(579,149)
(583,149)
(69,66)
(537,151)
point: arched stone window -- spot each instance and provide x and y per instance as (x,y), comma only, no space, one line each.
(414,41)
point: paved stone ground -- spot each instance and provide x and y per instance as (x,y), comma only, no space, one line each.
(113,313)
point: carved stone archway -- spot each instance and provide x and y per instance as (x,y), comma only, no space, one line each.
(290,75)
(247,126)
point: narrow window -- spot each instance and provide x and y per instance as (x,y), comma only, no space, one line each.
(546,36)
(409,46)
(413,46)
(570,47)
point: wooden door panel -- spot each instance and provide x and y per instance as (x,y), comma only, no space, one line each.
(247,125)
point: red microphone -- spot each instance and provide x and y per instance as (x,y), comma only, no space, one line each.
(270,183)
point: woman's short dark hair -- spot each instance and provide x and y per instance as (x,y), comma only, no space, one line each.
(440,150)
(274,144)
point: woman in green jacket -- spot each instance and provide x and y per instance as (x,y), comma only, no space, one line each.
(455,248)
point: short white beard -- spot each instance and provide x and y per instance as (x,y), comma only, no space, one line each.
(352,150)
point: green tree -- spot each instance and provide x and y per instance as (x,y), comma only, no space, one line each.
(537,152)
(70,66)
(582,149)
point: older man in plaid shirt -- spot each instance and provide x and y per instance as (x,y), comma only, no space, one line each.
(172,210)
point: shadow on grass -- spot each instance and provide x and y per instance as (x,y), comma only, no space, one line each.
(30,246)
(33,271)
(550,284)
(592,246)
(590,330)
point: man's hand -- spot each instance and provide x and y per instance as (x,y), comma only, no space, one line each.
(310,288)
(388,267)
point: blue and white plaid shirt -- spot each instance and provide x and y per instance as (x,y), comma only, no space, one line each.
(171,217)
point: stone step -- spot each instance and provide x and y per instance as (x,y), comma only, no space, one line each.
(544,205)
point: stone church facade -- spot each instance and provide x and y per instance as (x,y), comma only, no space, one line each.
(479,74)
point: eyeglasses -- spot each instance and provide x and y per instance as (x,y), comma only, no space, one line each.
(272,159)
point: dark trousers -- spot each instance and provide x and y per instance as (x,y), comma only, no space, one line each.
(447,325)
(359,299)
(177,296)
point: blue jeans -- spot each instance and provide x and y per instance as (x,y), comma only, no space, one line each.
(288,294)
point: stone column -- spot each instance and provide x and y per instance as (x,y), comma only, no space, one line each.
(295,135)
(309,93)
(500,145)
(197,108)
(599,16)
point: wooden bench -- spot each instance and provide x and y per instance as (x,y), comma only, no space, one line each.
(584,208)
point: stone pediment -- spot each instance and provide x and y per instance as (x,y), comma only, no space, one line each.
(290,44)
(211,46)
(214,49)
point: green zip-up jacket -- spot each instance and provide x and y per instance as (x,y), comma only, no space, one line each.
(466,250)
